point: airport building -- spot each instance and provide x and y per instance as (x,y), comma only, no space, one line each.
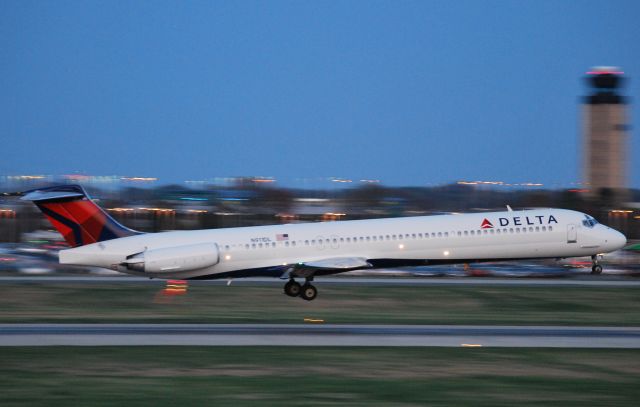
(605,145)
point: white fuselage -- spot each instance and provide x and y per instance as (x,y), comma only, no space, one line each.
(540,233)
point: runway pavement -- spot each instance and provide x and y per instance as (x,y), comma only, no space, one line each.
(317,335)
(588,281)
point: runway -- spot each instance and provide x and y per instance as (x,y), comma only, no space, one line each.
(584,281)
(317,335)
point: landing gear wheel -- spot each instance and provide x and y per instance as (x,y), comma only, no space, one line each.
(292,288)
(596,268)
(308,292)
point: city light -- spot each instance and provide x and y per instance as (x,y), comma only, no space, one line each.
(311,200)
(139,179)
(605,70)
(76,177)
(331,216)
(120,209)
(263,179)
(26,177)
(159,210)
(502,183)
(341,180)
(480,182)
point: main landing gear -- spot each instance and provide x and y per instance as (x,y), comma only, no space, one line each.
(306,291)
(596,268)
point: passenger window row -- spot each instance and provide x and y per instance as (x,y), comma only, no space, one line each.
(400,236)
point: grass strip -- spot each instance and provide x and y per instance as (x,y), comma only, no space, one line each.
(196,376)
(501,305)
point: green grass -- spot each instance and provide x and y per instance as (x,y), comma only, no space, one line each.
(242,376)
(519,305)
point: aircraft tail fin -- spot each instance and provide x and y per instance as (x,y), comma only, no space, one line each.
(78,219)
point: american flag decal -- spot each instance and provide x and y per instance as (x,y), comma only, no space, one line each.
(282,237)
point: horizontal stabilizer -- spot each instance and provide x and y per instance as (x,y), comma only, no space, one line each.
(39,196)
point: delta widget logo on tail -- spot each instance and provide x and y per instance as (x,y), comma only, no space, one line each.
(486,224)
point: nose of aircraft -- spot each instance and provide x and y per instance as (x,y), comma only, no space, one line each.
(615,240)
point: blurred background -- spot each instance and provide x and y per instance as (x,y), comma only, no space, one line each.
(149,204)
(30,245)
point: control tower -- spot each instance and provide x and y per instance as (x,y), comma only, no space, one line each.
(605,133)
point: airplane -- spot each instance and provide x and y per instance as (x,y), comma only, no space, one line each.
(307,250)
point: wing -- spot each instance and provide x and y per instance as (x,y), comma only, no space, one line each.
(326,266)
(339,263)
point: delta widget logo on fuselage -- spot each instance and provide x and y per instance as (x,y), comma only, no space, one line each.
(520,221)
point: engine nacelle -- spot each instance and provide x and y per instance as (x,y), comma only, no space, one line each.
(172,259)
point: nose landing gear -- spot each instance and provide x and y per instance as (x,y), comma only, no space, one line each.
(307,291)
(596,268)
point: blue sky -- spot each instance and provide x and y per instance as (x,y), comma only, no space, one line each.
(411,93)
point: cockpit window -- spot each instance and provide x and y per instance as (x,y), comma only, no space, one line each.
(589,221)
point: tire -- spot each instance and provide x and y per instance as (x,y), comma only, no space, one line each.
(596,269)
(309,292)
(292,288)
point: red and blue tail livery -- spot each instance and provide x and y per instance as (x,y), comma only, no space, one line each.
(75,215)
